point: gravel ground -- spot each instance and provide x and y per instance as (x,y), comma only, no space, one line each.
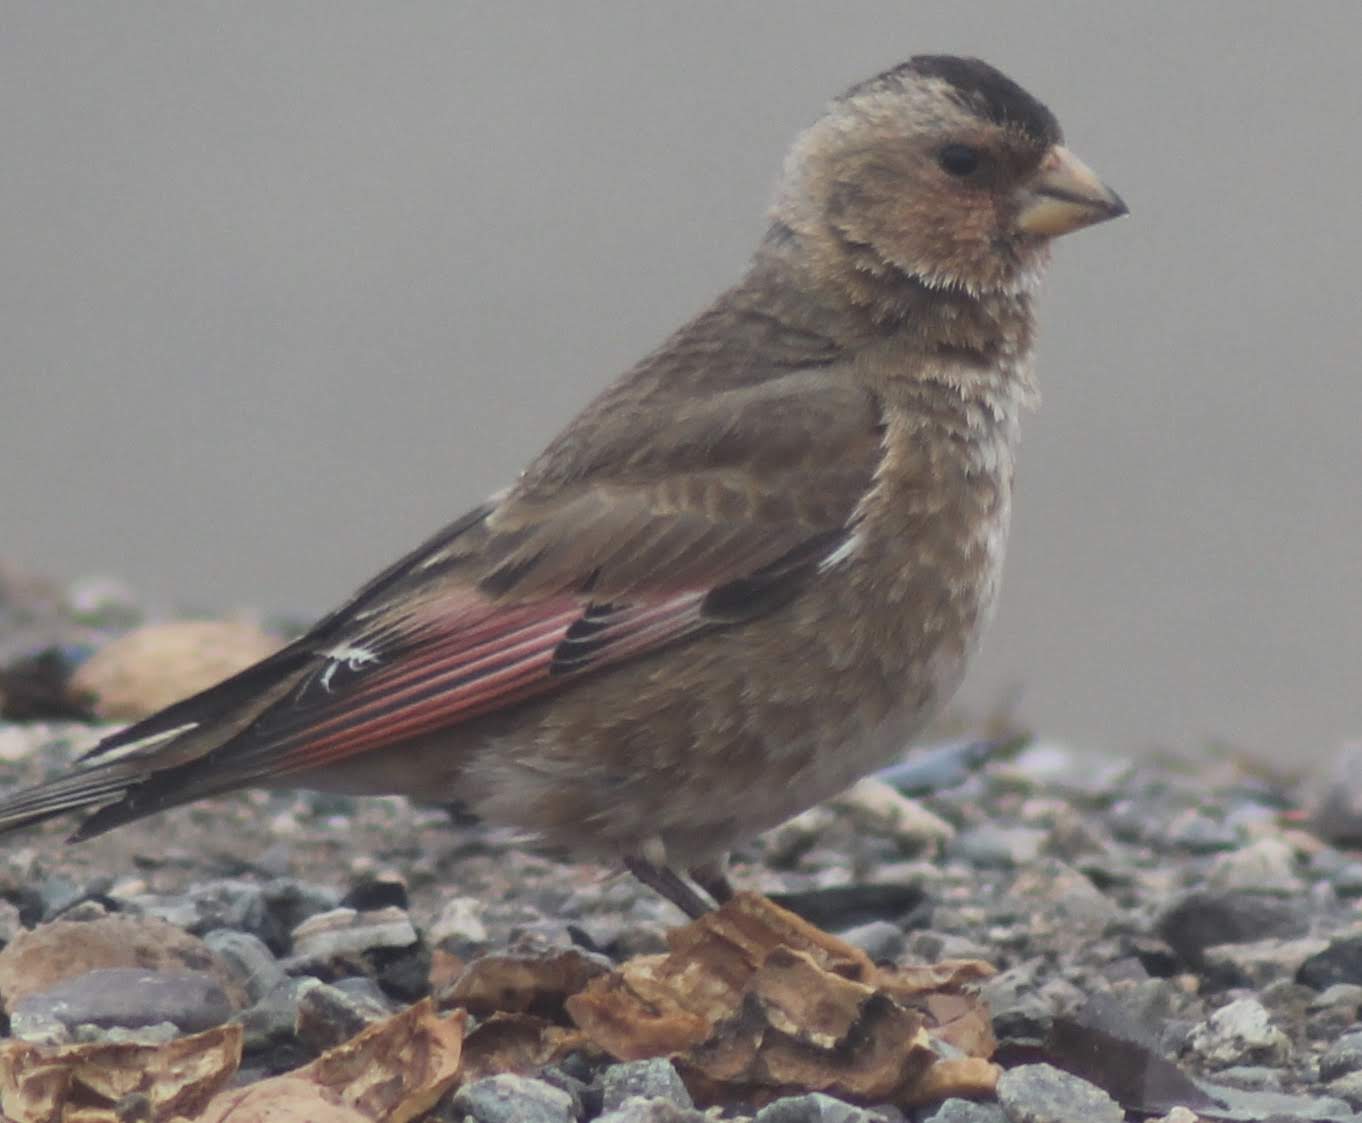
(1152,924)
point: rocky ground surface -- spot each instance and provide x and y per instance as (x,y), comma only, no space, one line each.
(1173,942)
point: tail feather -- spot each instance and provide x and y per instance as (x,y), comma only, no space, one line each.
(87,787)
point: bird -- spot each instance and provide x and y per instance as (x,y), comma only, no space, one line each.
(743,577)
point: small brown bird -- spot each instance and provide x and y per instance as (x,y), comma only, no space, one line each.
(743,576)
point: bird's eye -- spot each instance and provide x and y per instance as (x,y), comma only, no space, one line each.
(958,159)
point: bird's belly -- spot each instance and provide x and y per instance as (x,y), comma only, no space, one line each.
(717,739)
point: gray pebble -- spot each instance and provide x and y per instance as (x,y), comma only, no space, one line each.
(967,1111)
(274,1018)
(10,923)
(513,1099)
(328,1015)
(58,893)
(637,1109)
(1240,1033)
(129,997)
(1342,1057)
(343,932)
(250,961)
(880,939)
(1200,834)
(1255,1077)
(1200,920)
(991,845)
(1265,866)
(292,901)
(814,1108)
(1044,1094)
(460,926)
(231,903)
(1348,1087)
(1261,962)
(1340,962)
(655,1079)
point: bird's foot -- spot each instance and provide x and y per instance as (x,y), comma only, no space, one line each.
(666,882)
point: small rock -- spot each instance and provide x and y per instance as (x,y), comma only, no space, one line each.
(1199,833)
(249,960)
(37,960)
(1200,920)
(1262,962)
(1336,800)
(787,843)
(10,922)
(273,1019)
(1058,899)
(234,903)
(586,1098)
(1053,767)
(967,1111)
(1342,1057)
(1347,880)
(345,933)
(292,901)
(637,1109)
(876,806)
(126,996)
(993,846)
(934,768)
(1257,1078)
(459,927)
(813,1108)
(1265,866)
(1339,996)
(1040,1093)
(1348,1087)
(513,1099)
(882,940)
(1340,962)
(654,1079)
(1240,1033)
(1178,1115)
(378,891)
(328,1015)
(158,664)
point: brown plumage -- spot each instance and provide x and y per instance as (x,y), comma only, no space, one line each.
(743,576)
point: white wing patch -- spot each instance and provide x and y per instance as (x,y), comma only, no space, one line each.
(349,656)
(145,745)
(844,553)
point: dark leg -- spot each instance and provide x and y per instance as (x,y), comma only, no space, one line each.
(713,879)
(666,882)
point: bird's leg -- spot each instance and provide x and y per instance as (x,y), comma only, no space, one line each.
(666,882)
(712,877)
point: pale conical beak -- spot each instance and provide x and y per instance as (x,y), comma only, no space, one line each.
(1065,195)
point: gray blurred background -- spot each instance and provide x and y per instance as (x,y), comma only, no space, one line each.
(285,286)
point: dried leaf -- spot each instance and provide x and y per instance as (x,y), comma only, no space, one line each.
(66,1083)
(445,967)
(754,1002)
(516,1043)
(391,1072)
(969,1078)
(521,984)
(397,1068)
(281,1099)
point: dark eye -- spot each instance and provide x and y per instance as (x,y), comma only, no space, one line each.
(959,159)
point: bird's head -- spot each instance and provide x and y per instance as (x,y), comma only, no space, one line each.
(944,169)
